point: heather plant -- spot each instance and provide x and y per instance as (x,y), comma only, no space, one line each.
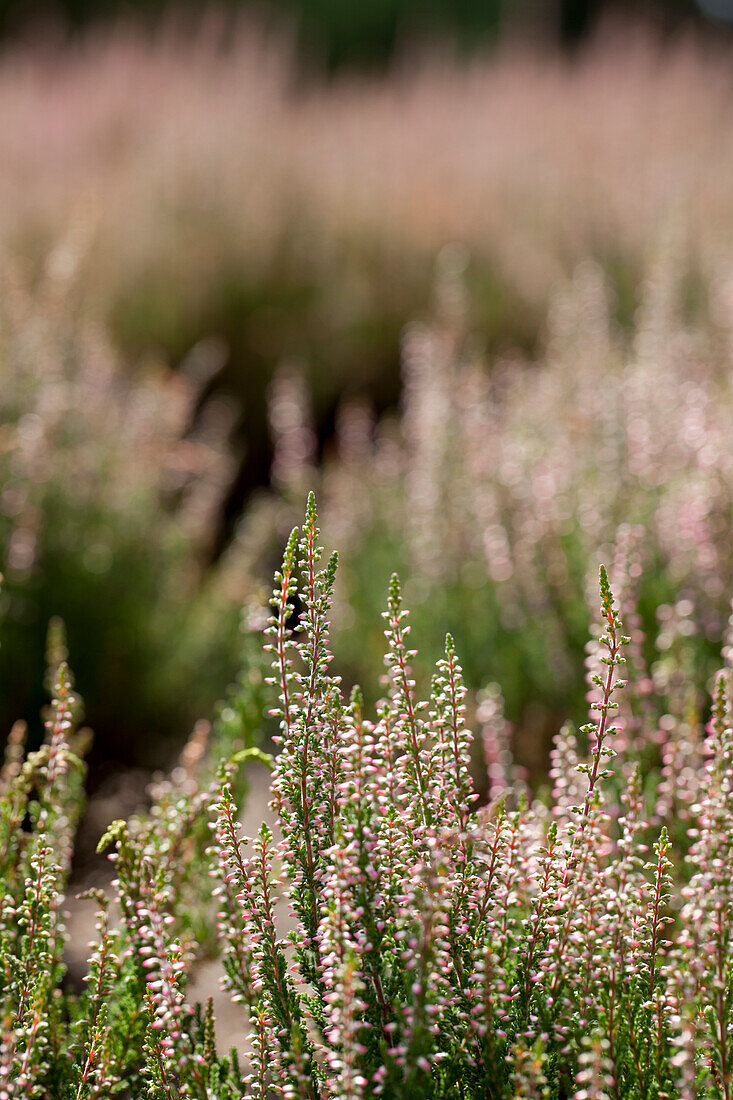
(385,936)
(111,487)
(129,1032)
(503,481)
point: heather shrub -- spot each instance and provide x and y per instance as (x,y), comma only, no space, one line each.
(111,487)
(504,481)
(573,945)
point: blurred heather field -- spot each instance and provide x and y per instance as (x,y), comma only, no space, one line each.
(481,301)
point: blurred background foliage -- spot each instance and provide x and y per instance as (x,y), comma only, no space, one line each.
(333,34)
(109,498)
(218,231)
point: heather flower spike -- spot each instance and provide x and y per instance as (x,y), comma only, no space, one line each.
(607,684)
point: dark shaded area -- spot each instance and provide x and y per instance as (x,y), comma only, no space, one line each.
(335,33)
(289,316)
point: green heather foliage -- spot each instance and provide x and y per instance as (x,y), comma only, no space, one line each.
(575,944)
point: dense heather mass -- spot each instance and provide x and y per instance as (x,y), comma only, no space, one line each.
(575,945)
